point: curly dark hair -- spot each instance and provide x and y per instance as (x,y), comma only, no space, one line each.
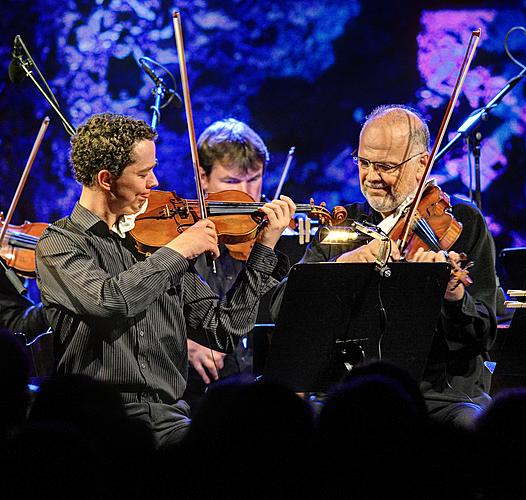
(233,141)
(105,142)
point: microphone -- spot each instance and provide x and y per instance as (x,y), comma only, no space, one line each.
(15,70)
(159,82)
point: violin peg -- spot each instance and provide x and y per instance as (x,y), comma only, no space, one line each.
(301,231)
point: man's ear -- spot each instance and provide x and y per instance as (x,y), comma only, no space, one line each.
(204,178)
(105,180)
(422,164)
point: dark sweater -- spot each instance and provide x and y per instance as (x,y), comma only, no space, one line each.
(466,329)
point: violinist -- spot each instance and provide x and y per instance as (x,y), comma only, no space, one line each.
(123,317)
(20,314)
(231,156)
(392,155)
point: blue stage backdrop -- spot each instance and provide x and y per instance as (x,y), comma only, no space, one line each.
(302,73)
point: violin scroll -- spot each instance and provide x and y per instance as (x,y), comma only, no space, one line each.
(459,270)
(326,218)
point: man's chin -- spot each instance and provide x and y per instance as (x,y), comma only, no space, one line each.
(380,203)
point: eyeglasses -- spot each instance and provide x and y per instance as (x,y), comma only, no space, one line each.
(364,163)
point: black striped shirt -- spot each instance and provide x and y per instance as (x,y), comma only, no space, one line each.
(123,319)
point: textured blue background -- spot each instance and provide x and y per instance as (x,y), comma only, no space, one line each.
(302,73)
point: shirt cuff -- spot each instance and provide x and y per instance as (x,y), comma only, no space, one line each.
(268,261)
(455,310)
(171,260)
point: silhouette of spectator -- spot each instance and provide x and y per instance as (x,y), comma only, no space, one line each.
(392,371)
(267,427)
(378,417)
(53,460)
(14,379)
(501,441)
(94,408)
(375,421)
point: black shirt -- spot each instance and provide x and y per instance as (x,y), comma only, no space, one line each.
(125,320)
(18,313)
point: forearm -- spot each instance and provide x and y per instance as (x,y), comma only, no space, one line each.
(74,280)
(218,323)
(468,323)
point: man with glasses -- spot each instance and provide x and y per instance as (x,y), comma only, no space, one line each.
(391,159)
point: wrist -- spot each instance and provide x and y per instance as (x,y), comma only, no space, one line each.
(266,241)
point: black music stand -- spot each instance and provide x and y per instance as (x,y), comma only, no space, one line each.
(330,312)
(509,354)
(512,268)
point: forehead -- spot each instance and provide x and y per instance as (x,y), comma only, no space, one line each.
(226,168)
(386,137)
(143,152)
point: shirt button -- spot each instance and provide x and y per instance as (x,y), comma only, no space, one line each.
(141,333)
(143,365)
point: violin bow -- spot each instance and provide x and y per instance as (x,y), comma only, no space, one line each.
(178,29)
(290,157)
(468,57)
(23,178)
(9,272)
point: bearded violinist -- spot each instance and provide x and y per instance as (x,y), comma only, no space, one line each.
(121,317)
(391,158)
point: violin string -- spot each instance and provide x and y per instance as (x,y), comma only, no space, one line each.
(226,208)
(17,237)
(425,232)
(18,234)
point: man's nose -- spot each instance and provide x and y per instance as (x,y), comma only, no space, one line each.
(152,181)
(373,174)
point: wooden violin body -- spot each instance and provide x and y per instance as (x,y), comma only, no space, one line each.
(435,208)
(18,246)
(434,228)
(235,214)
(169,215)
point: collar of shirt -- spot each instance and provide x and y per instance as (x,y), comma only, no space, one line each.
(89,221)
(390,221)
(126,222)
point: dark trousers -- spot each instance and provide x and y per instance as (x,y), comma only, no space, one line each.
(461,414)
(168,423)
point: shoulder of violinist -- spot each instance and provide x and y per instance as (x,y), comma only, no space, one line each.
(477,243)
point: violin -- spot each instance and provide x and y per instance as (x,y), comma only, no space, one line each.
(434,228)
(434,213)
(235,214)
(18,246)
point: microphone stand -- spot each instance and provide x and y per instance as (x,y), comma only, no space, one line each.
(472,122)
(476,138)
(25,65)
(158,92)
